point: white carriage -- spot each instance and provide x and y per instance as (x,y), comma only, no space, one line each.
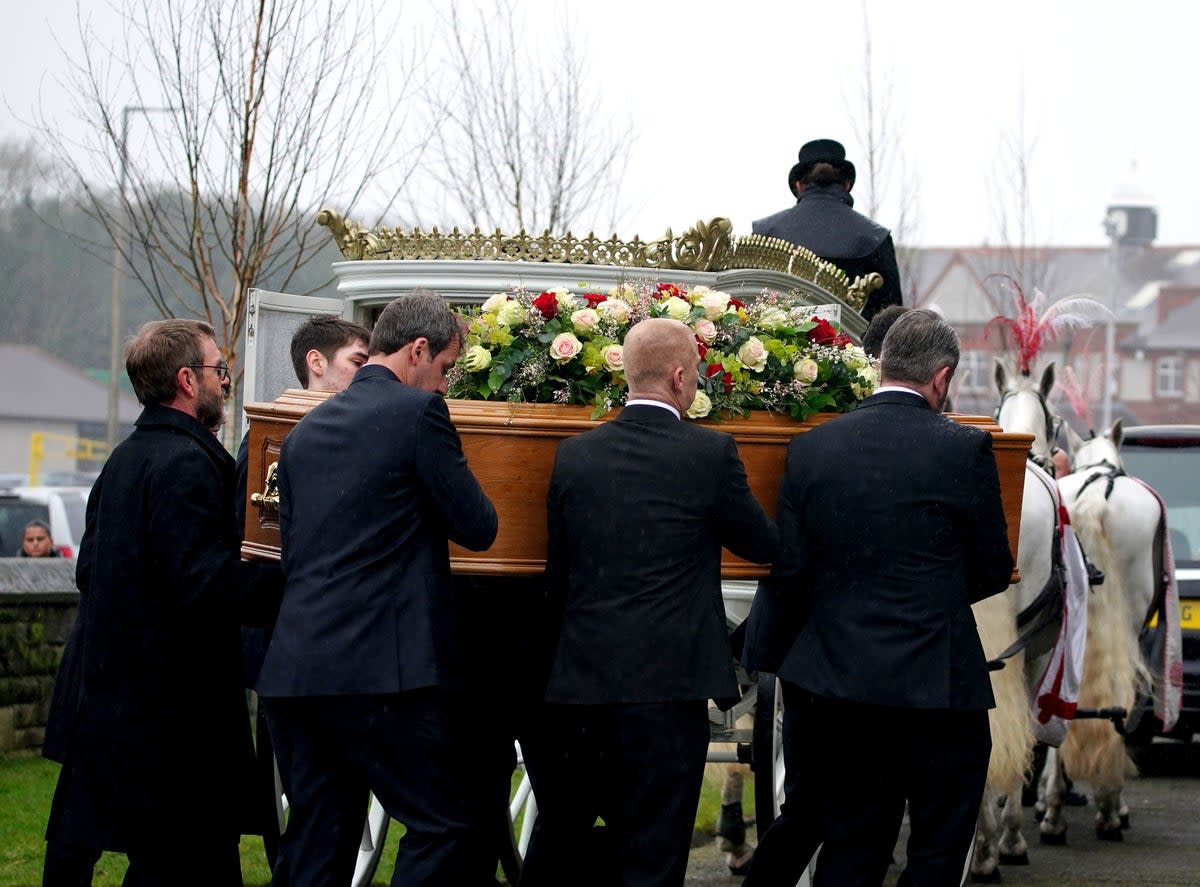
(466,269)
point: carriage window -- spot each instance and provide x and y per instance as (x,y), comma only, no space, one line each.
(974,371)
(1168,377)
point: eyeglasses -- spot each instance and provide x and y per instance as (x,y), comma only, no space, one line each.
(222,369)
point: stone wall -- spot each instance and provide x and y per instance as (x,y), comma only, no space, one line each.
(38,603)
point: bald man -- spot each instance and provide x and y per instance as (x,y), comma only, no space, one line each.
(638,512)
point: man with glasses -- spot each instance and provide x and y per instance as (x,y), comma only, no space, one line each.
(149,716)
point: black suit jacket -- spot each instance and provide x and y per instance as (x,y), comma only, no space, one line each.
(891,526)
(638,511)
(155,651)
(372,483)
(824,221)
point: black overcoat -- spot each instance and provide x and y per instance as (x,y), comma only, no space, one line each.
(825,222)
(153,727)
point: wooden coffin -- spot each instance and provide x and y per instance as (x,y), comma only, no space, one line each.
(496,437)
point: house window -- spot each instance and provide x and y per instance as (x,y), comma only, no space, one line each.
(975,371)
(1168,377)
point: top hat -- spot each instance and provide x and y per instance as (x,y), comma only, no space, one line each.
(820,151)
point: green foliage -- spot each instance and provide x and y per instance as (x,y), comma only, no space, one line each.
(559,347)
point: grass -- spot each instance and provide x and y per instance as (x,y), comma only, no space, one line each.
(27,786)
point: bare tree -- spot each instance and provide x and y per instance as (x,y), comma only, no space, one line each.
(523,143)
(1012,206)
(887,180)
(263,110)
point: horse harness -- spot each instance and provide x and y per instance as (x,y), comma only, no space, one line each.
(1047,606)
(1107,470)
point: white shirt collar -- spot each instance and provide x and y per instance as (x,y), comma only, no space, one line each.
(653,403)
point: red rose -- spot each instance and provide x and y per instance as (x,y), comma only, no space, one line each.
(702,348)
(713,369)
(666,290)
(728,380)
(823,333)
(841,340)
(546,304)
(594,299)
(735,304)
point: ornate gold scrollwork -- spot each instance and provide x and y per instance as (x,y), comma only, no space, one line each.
(706,246)
(268,499)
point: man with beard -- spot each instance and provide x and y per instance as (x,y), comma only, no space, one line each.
(149,707)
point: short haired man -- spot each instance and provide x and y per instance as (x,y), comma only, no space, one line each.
(825,222)
(326,352)
(638,511)
(152,670)
(877,329)
(891,527)
(360,677)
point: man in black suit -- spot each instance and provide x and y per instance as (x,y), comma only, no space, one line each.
(891,526)
(638,511)
(360,677)
(149,707)
(825,222)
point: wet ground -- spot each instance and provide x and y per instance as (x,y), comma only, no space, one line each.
(1161,848)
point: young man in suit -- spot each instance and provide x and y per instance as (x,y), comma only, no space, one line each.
(638,511)
(361,675)
(890,526)
(151,676)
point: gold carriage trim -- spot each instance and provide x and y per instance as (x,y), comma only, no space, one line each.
(706,246)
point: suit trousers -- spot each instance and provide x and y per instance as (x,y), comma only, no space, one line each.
(874,758)
(408,749)
(639,767)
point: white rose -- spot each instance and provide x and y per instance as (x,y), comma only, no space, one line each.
(806,371)
(564,299)
(564,347)
(675,308)
(614,309)
(705,330)
(772,318)
(701,406)
(753,355)
(614,357)
(512,313)
(854,357)
(585,319)
(714,304)
(477,358)
(495,303)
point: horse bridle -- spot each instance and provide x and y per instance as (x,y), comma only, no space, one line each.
(1053,423)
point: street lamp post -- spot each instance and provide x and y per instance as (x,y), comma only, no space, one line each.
(118,278)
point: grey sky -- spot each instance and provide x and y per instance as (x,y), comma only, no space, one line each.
(722,95)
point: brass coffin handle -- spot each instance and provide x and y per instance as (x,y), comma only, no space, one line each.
(268,499)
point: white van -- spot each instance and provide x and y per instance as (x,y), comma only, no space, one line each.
(61,507)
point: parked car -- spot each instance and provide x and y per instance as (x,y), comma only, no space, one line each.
(1167,457)
(61,507)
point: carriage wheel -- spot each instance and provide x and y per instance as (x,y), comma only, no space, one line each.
(522,813)
(370,848)
(768,751)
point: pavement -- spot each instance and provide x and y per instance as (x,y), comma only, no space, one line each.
(1160,849)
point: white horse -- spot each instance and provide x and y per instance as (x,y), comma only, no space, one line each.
(998,836)
(1116,519)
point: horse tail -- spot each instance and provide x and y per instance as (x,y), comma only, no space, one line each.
(1112,668)
(1012,731)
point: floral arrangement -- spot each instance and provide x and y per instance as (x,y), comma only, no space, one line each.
(559,347)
